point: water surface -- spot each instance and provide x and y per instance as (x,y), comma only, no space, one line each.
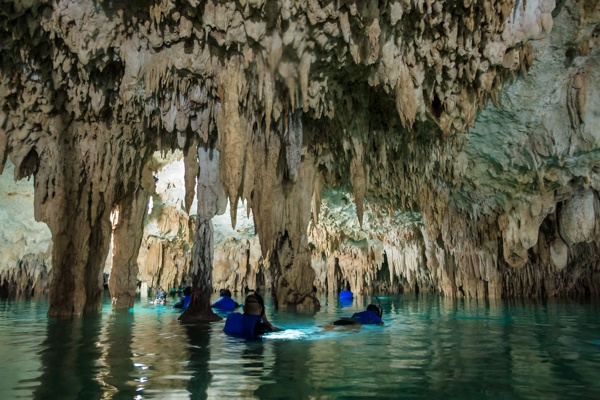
(429,347)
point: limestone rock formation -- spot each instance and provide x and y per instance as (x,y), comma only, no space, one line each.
(26,245)
(165,256)
(387,100)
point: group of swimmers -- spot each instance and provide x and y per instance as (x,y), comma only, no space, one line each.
(253,322)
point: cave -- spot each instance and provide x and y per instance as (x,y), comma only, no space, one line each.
(300,148)
(410,135)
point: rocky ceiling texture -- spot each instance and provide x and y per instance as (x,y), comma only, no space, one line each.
(481,115)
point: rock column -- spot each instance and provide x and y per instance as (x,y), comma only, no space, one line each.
(127,237)
(79,219)
(282,210)
(211,200)
(76,187)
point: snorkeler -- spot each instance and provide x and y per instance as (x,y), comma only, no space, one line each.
(161,298)
(371,316)
(225,302)
(253,322)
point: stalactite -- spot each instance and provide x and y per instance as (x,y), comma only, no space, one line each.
(238,265)
(293,143)
(406,103)
(316,198)
(576,99)
(396,96)
(191,172)
(233,138)
(358,177)
(28,279)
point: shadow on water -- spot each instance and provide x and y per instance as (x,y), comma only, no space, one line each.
(69,359)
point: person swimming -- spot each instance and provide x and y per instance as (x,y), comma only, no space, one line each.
(161,298)
(225,302)
(371,316)
(253,322)
(185,299)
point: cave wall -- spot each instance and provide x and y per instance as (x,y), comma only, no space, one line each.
(26,245)
(388,100)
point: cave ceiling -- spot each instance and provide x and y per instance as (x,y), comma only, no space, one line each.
(484,109)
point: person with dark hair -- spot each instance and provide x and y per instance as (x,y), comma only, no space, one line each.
(225,302)
(253,322)
(185,299)
(161,297)
(372,315)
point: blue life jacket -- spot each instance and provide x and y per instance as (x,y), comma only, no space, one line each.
(346,295)
(366,317)
(186,301)
(225,303)
(241,325)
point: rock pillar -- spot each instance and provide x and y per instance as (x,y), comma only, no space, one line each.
(76,181)
(282,211)
(127,237)
(78,216)
(211,200)
(78,254)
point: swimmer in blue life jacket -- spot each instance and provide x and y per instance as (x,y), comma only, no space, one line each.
(371,316)
(225,302)
(185,299)
(253,322)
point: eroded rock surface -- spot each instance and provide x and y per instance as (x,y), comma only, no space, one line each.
(381,98)
(26,245)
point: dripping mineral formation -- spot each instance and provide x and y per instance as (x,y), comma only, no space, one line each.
(480,117)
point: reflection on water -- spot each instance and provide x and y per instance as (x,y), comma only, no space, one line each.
(429,347)
(69,357)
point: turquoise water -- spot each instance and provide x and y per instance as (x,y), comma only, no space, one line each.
(429,347)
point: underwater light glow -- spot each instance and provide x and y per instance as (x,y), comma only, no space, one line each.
(291,334)
(288,334)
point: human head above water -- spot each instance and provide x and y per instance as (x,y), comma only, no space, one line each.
(375,309)
(254,304)
(225,293)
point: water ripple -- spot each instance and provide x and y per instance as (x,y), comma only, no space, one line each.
(429,347)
